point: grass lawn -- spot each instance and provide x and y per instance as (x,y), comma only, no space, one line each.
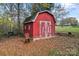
(67,29)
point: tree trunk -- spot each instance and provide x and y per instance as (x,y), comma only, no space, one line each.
(18,16)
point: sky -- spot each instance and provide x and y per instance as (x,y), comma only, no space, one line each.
(73,9)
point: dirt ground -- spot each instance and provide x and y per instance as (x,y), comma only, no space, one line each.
(15,46)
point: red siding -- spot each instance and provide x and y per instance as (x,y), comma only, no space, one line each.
(28,28)
(43,17)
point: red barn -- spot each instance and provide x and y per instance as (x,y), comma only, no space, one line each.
(42,25)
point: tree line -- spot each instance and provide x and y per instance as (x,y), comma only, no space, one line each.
(70,21)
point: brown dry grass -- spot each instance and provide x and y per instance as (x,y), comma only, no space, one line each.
(14,46)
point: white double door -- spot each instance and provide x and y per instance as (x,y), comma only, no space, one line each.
(45,28)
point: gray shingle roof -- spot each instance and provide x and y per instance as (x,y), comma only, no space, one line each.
(29,19)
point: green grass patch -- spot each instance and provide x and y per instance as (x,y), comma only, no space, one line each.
(67,29)
(54,52)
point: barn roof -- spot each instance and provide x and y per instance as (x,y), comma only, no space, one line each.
(29,19)
(33,17)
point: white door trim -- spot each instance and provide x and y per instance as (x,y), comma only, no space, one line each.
(47,28)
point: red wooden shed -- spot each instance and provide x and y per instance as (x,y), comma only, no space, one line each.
(41,25)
